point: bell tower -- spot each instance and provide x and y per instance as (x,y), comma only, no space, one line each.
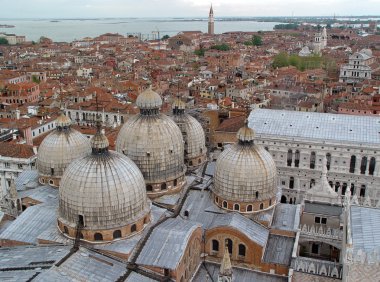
(211,21)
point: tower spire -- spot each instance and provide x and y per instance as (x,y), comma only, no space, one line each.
(225,272)
(211,21)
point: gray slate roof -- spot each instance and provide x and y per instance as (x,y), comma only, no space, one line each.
(26,180)
(316,126)
(43,194)
(135,277)
(167,243)
(84,265)
(31,223)
(286,217)
(254,231)
(323,209)
(365,228)
(239,274)
(279,250)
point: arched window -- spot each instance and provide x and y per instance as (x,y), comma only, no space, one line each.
(344,188)
(291,201)
(372,165)
(229,245)
(257,194)
(242,250)
(215,245)
(249,208)
(65,230)
(224,204)
(117,234)
(362,191)
(312,182)
(363,165)
(261,206)
(352,189)
(331,184)
(291,182)
(312,160)
(297,159)
(352,164)
(337,185)
(98,237)
(51,182)
(175,182)
(236,207)
(149,188)
(270,202)
(283,199)
(290,157)
(133,228)
(217,199)
(328,159)
(163,186)
(186,213)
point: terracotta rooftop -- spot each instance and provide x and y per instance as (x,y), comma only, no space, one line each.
(10,150)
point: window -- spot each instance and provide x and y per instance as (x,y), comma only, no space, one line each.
(297,159)
(249,208)
(261,206)
(317,219)
(163,186)
(19,166)
(117,234)
(133,228)
(224,204)
(324,220)
(372,164)
(315,248)
(363,165)
(149,188)
(236,207)
(289,158)
(98,237)
(328,159)
(312,160)
(7,165)
(215,245)
(362,191)
(291,182)
(242,250)
(229,245)
(352,164)
(65,230)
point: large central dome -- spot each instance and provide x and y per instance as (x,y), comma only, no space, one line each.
(154,142)
(59,149)
(104,193)
(245,177)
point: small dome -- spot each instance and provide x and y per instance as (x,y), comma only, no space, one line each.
(99,141)
(59,149)
(149,100)
(106,189)
(63,121)
(245,134)
(245,172)
(178,104)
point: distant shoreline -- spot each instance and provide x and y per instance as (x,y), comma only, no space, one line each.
(6,26)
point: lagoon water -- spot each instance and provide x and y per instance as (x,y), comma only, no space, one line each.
(71,29)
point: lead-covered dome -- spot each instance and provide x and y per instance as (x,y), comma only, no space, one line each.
(193,135)
(59,149)
(154,142)
(245,176)
(104,192)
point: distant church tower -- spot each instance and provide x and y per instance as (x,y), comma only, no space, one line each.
(324,38)
(211,21)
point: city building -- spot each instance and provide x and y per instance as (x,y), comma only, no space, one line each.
(358,67)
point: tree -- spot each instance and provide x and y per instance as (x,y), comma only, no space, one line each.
(281,60)
(221,47)
(256,40)
(200,52)
(165,37)
(3,41)
(35,79)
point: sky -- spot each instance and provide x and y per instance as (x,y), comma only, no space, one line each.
(184,8)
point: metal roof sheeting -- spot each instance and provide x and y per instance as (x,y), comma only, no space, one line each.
(167,243)
(316,126)
(365,228)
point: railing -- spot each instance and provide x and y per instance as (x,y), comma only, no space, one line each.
(317,267)
(323,232)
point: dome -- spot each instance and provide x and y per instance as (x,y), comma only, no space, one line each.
(59,149)
(105,191)
(149,100)
(193,135)
(154,142)
(245,176)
